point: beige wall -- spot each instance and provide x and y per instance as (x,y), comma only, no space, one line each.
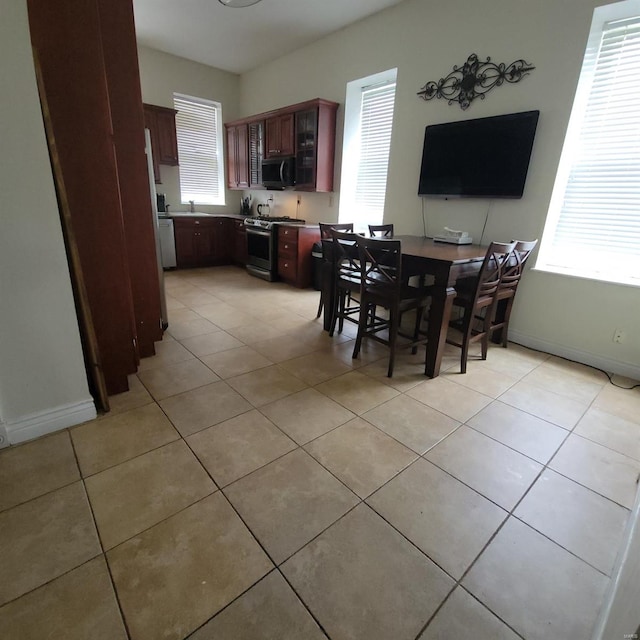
(424,39)
(42,378)
(162,74)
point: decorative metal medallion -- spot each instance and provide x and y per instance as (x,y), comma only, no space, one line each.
(474,79)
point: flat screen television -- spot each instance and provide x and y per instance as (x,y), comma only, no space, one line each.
(482,158)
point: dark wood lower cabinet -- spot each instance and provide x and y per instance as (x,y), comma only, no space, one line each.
(240,253)
(295,243)
(202,242)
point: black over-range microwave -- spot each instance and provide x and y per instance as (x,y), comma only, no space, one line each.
(278,173)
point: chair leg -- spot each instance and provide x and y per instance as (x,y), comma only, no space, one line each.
(489,317)
(343,304)
(320,305)
(467,326)
(393,336)
(505,328)
(362,326)
(416,332)
(334,313)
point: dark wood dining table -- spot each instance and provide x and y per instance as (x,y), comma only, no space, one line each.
(445,263)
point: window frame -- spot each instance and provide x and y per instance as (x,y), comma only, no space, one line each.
(547,259)
(350,207)
(218,176)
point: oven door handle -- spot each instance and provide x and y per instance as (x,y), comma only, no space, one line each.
(259,232)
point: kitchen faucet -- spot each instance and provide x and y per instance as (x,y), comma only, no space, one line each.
(192,206)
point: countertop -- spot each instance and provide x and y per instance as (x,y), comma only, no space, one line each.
(199,214)
(232,216)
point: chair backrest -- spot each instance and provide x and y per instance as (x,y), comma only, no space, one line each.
(344,250)
(381,231)
(326,227)
(497,257)
(381,265)
(512,273)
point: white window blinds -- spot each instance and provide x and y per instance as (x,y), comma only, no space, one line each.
(375,140)
(198,128)
(594,221)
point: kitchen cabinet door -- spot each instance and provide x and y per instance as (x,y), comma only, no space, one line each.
(238,156)
(220,238)
(306,148)
(240,253)
(167,138)
(315,147)
(280,141)
(202,241)
(186,253)
(256,153)
(161,122)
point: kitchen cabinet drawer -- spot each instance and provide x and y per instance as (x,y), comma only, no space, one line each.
(289,234)
(288,268)
(288,249)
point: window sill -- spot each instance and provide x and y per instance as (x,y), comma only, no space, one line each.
(627,281)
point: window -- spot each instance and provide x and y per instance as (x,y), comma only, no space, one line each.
(199,132)
(593,226)
(368,123)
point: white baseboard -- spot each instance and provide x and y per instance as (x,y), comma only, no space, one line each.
(44,422)
(606,364)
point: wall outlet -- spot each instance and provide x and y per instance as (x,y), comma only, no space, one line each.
(619,335)
(4,438)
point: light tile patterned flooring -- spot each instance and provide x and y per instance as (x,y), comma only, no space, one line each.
(255,482)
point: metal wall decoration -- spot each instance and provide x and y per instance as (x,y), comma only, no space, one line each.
(474,79)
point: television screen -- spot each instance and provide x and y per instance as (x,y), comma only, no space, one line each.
(482,158)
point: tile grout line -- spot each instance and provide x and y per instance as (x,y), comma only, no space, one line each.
(104,554)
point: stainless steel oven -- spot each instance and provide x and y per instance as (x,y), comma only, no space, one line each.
(261,249)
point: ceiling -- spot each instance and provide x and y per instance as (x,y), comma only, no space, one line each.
(238,40)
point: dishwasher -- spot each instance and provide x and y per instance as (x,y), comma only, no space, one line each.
(167,243)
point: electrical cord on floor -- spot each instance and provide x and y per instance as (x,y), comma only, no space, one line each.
(609,376)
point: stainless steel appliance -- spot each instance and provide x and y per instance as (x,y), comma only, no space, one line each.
(167,242)
(278,173)
(262,244)
(154,209)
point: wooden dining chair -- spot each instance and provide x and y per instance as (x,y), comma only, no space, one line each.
(382,285)
(509,281)
(381,231)
(343,249)
(327,227)
(478,302)
(325,234)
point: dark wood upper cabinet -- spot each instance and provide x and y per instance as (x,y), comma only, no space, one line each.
(161,122)
(280,136)
(237,156)
(306,130)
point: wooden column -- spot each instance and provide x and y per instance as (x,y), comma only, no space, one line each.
(125,101)
(67,38)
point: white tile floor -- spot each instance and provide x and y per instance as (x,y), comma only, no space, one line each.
(256,483)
